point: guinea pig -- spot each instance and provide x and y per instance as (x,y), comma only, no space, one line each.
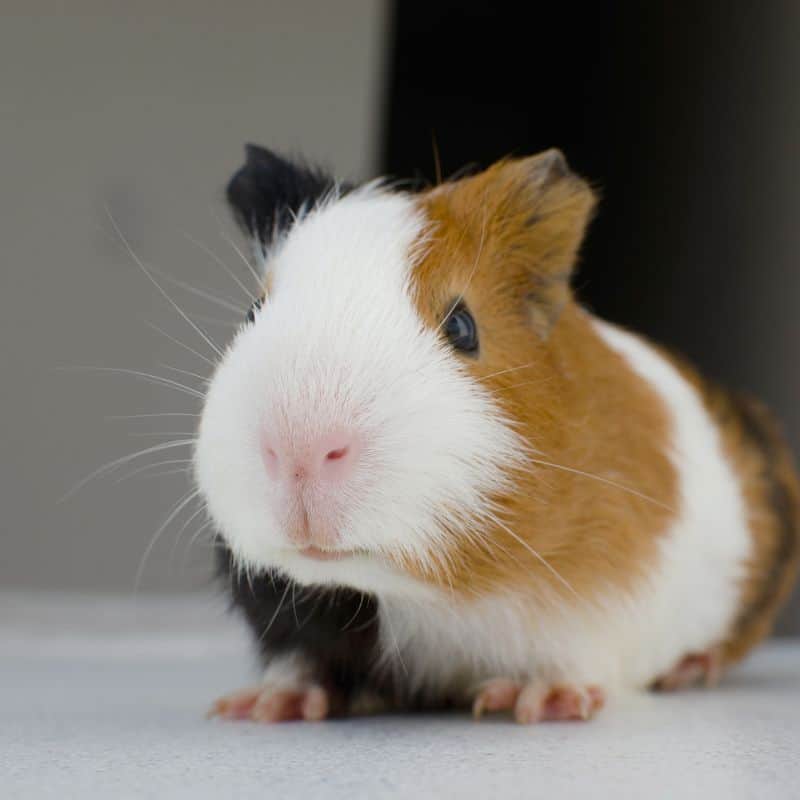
(438,481)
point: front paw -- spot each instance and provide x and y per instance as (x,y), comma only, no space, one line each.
(288,691)
(271,703)
(538,702)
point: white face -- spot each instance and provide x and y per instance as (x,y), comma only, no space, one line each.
(339,430)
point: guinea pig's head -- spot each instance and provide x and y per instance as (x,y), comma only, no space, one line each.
(358,430)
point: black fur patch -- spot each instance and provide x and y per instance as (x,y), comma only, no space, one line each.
(336,630)
(268,191)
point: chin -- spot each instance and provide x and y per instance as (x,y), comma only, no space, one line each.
(358,570)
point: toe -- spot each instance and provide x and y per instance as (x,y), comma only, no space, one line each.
(499,694)
(315,704)
(694,668)
(270,704)
(537,703)
(278,706)
(237,705)
(530,704)
(568,702)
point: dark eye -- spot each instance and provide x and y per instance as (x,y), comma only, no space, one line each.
(461,330)
(251,313)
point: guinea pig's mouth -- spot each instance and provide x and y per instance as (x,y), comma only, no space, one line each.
(318,554)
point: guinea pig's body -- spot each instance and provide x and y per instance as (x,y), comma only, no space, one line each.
(439,481)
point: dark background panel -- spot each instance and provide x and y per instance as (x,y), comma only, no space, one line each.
(686,118)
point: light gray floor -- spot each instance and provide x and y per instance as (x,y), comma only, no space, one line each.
(105,698)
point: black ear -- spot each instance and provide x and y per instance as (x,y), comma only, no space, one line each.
(269,191)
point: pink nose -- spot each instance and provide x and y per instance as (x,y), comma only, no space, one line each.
(327,459)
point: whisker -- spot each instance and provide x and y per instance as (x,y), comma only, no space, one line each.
(546,379)
(182,503)
(147,434)
(180,343)
(294,606)
(158,286)
(166,463)
(357,612)
(147,376)
(193,541)
(468,168)
(396,644)
(148,416)
(208,251)
(183,527)
(365,625)
(224,302)
(241,255)
(510,369)
(196,535)
(277,611)
(112,465)
(601,479)
(470,276)
(314,608)
(221,230)
(164,472)
(249,575)
(225,323)
(537,555)
(203,378)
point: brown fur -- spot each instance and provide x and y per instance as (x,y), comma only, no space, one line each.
(505,242)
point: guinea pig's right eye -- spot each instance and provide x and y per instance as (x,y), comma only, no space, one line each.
(461,330)
(251,313)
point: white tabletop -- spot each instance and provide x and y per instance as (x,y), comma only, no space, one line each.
(104,697)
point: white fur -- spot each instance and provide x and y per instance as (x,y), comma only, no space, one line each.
(686,604)
(337,344)
(692,598)
(288,671)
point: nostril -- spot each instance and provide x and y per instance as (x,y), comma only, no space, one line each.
(328,458)
(271,461)
(270,456)
(335,455)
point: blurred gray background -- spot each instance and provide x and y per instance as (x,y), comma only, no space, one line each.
(142,109)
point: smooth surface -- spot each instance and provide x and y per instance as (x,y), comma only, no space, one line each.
(104,697)
(141,109)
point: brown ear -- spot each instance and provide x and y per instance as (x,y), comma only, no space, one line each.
(539,211)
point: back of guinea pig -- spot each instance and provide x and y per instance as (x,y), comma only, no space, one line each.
(438,481)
